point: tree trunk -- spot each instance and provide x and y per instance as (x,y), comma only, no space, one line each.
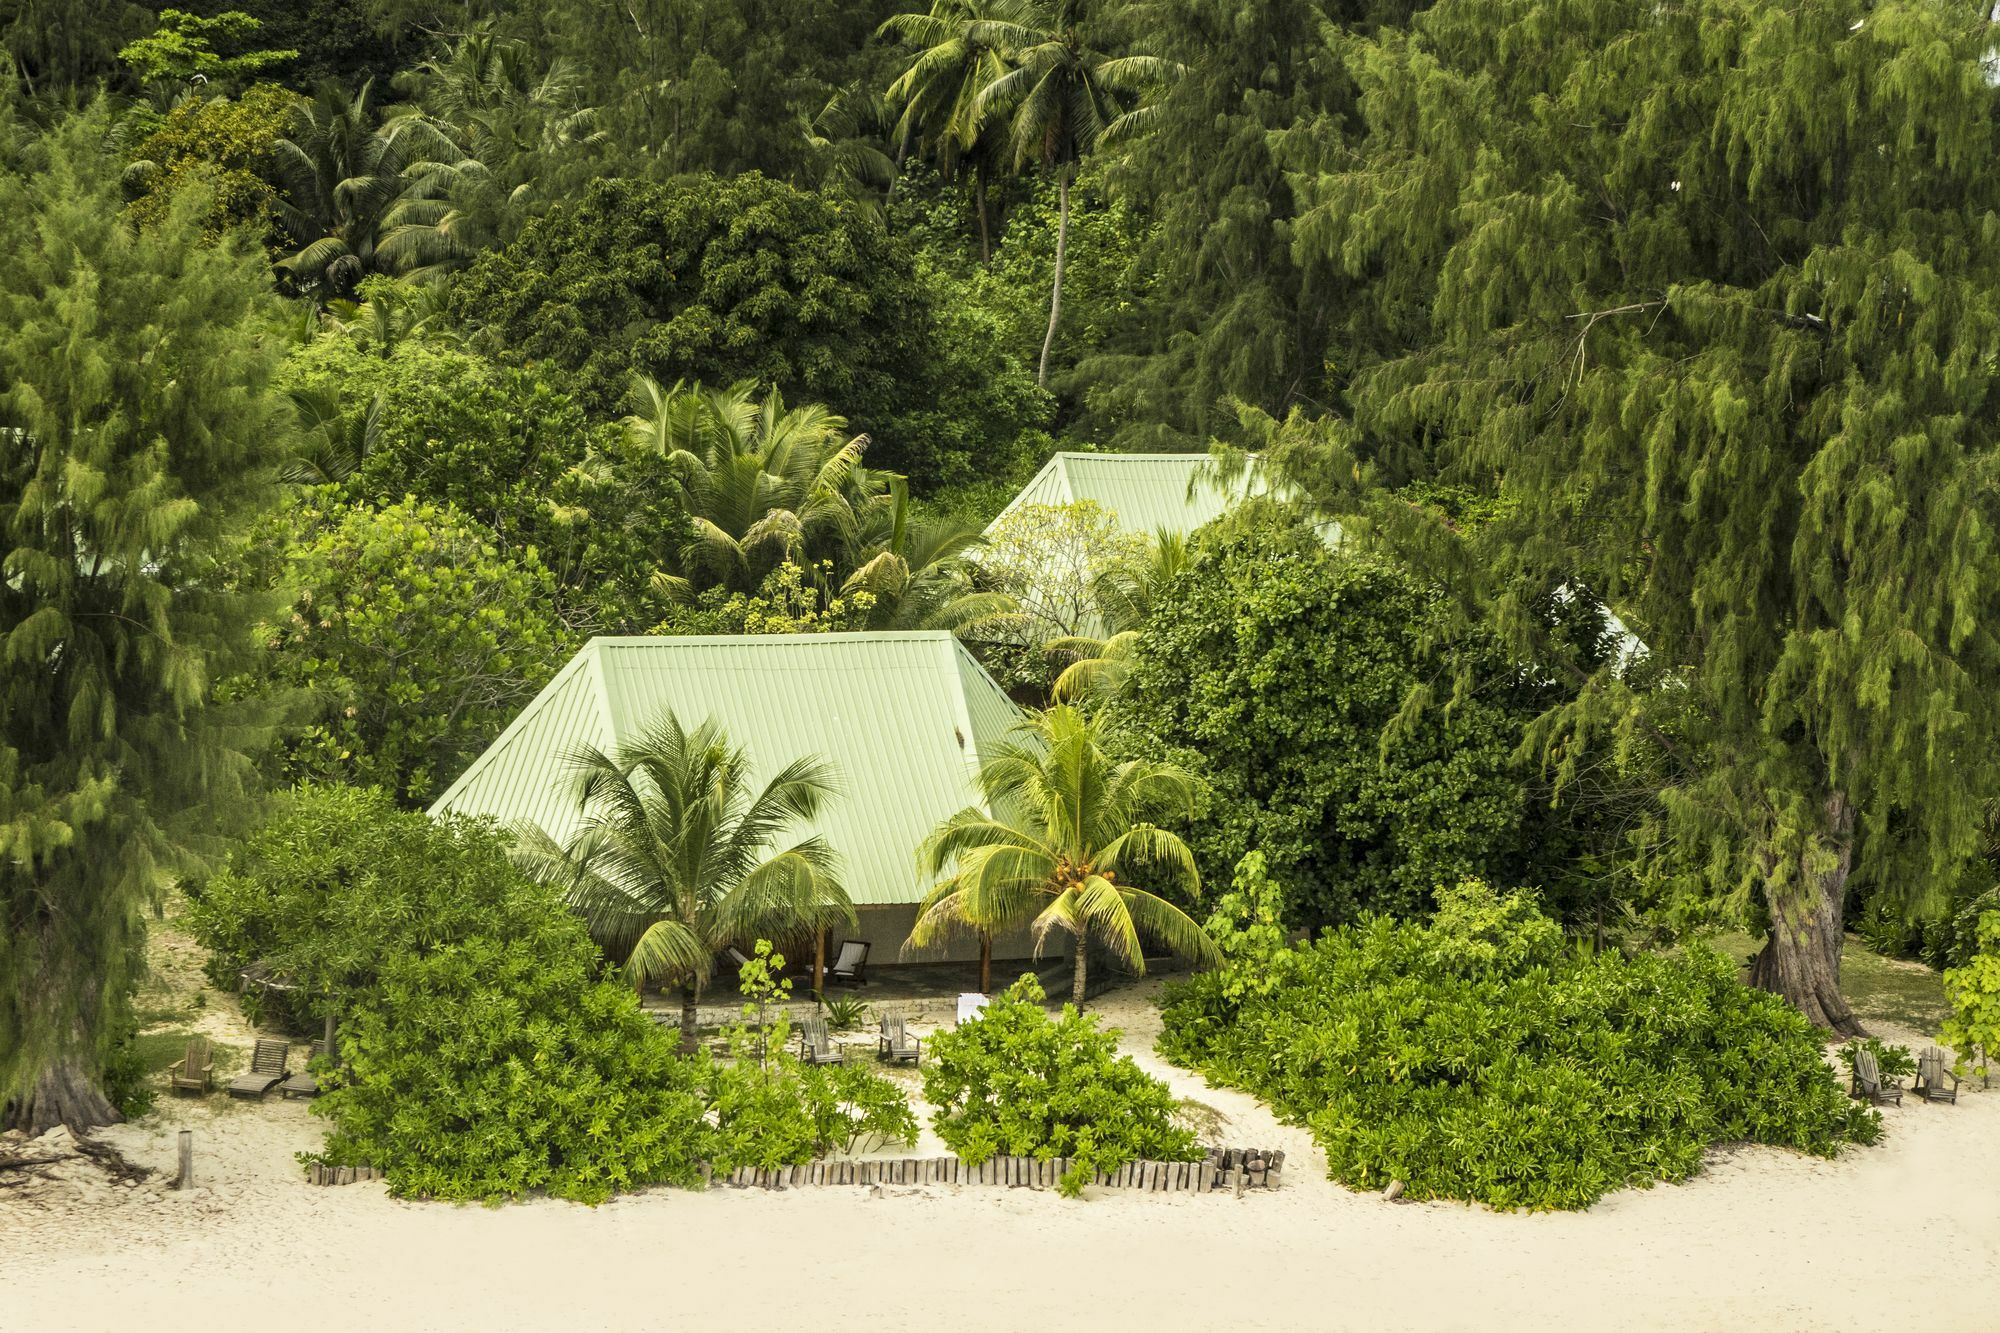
(65,984)
(65,1093)
(1801,958)
(985,962)
(1080,982)
(1062,254)
(819,962)
(690,1037)
(979,203)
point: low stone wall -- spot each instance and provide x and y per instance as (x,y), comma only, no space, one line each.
(1225,1170)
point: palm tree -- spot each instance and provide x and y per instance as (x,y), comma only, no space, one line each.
(1126,594)
(939,91)
(674,859)
(1061,96)
(341,172)
(917,572)
(764,483)
(1070,835)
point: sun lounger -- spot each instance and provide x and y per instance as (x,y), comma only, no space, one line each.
(267,1069)
(1869,1085)
(195,1071)
(303,1083)
(815,1046)
(896,1044)
(1932,1073)
(850,964)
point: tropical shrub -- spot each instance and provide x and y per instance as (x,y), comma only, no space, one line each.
(337,881)
(1483,1057)
(1017,1082)
(414,638)
(1285,675)
(1892,1061)
(770,1108)
(496,1062)
(1974,992)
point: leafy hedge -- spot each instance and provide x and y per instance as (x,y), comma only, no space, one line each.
(1017,1082)
(1482,1057)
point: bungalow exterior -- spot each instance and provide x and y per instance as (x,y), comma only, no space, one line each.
(904,719)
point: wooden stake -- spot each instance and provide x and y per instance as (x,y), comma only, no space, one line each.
(185,1180)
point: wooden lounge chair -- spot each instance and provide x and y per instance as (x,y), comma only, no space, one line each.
(815,1046)
(1869,1085)
(850,964)
(303,1083)
(1932,1073)
(896,1044)
(267,1069)
(195,1071)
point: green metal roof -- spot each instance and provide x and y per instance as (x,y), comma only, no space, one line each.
(1146,492)
(904,719)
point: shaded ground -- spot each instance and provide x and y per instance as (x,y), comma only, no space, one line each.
(1881,990)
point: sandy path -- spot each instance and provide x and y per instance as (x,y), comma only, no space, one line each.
(1763,1237)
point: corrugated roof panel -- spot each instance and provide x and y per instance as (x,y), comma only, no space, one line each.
(1146,492)
(520,775)
(890,712)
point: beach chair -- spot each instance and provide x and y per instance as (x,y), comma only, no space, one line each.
(1869,1084)
(1932,1072)
(303,1083)
(815,1046)
(195,1071)
(896,1044)
(850,964)
(267,1069)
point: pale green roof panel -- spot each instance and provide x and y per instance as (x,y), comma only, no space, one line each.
(903,719)
(1147,492)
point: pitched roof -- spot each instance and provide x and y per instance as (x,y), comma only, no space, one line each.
(1146,492)
(905,720)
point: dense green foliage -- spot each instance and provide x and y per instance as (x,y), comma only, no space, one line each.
(1974,992)
(746,279)
(1017,1082)
(1314,691)
(414,638)
(1482,1057)
(117,766)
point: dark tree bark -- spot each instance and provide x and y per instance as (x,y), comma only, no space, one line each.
(985,962)
(66,1093)
(1800,959)
(1080,982)
(690,1038)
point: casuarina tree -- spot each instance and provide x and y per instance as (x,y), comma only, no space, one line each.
(139,433)
(1711,301)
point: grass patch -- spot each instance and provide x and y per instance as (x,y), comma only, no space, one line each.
(1881,990)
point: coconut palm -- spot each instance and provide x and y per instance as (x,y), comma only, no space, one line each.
(341,172)
(1126,594)
(676,856)
(939,93)
(764,483)
(1067,845)
(917,572)
(1061,97)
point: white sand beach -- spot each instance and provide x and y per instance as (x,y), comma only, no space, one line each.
(1763,1237)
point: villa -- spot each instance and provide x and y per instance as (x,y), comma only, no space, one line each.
(1174,493)
(904,719)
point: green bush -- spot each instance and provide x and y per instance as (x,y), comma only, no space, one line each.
(334,884)
(1015,1081)
(1484,1057)
(1892,1061)
(497,1063)
(770,1108)
(1974,992)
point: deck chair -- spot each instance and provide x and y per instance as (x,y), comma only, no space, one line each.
(303,1083)
(1869,1084)
(896,1044)
(850,964)
(267,1069)
(815,1046)
(1932,1073)
(195,1071)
